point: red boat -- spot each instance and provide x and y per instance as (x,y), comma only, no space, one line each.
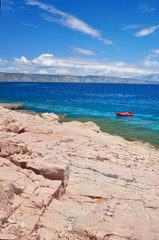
(124,114)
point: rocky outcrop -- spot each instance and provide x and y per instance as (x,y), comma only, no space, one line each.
(12,106)
(71,181)
(87,125)
(29,195)
(50,117)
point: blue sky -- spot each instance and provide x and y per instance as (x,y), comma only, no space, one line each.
(86,37)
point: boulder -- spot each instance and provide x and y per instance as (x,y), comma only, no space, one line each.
(51,117)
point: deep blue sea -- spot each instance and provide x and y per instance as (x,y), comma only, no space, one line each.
(96,102)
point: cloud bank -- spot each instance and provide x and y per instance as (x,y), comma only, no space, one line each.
(49,64)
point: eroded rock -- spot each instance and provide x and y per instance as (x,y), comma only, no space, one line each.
(50,117)
(71,181)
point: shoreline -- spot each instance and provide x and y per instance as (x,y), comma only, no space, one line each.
(72,181)
(19,107)
(97,122)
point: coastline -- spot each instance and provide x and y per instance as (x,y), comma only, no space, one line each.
(72,181)
(19,107)
(111,129)
(98,101)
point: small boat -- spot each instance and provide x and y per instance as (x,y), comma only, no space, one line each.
(124,114)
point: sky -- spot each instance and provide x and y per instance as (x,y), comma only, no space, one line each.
(80,37)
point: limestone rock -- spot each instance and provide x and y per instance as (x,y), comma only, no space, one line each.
(71,181)
(5,208)
(50,117)
(91,126)
(85,126)
(12,106)
(8,236)
(10,148)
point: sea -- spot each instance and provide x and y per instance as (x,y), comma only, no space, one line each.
(97,102)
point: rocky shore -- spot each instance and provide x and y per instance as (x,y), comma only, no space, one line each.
(12,106)
(72,181)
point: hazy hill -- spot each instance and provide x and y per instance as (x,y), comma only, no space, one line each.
(21,77)
(151,77)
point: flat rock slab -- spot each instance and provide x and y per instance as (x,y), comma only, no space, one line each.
(71,181)
(26,198)
(12,106)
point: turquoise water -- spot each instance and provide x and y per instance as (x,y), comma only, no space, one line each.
(95,102)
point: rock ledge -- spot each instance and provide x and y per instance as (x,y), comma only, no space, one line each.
(71,181)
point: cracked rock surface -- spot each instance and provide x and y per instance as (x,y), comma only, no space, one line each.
(71,181)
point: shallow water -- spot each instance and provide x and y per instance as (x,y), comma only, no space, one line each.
(95,102)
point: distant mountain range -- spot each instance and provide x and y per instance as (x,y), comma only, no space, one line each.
(22,77)
(151,77)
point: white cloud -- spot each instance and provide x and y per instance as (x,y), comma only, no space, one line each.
(131,27)
(151,64)
(155,51)
(77,24)
(2,61)
(49,64)
(154,54)
(84,51)
(43,71)
(146,8)
(146,31)
(21,60)
(49,8)
(150,56)
(62,71)
(48,60)
(68,20)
